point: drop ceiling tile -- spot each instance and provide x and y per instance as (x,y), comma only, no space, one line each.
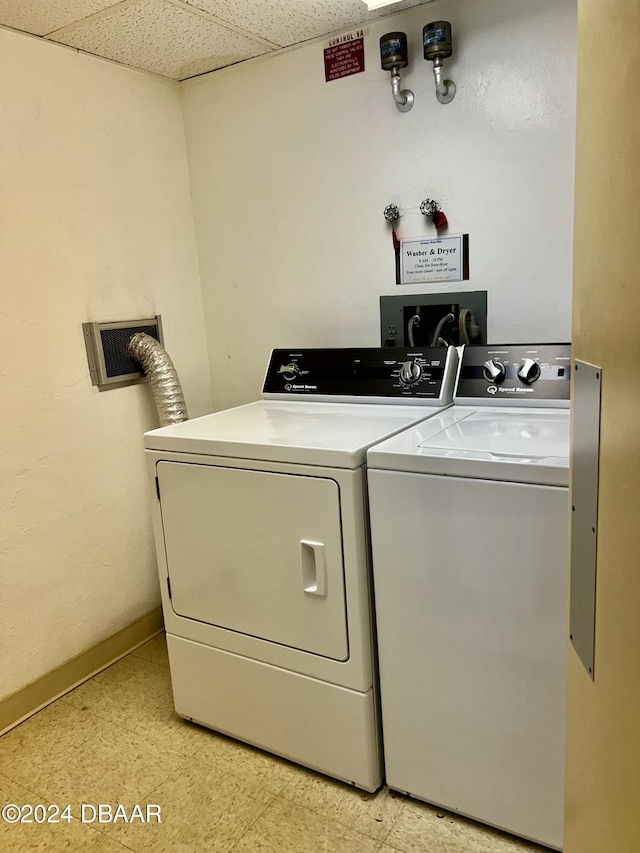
(161,37)
(292,21)
(44,16)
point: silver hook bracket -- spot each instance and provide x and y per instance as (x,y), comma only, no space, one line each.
(403,97)
(445,89)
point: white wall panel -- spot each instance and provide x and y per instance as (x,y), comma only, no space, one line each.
(95,224)
(290,176)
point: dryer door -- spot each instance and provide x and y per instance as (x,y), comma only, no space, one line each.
(256,552)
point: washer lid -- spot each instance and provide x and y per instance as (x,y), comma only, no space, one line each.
(330,434)
(518,445)
(525,435)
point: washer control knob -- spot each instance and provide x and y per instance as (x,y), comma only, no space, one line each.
(529,371)
(289,371)
(410,372)
(494,371)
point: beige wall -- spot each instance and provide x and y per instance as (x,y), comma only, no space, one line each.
(95,224)
(603,735)
(290,176)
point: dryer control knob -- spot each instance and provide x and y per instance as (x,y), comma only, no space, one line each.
(494,371)
(289,371)
(410,372)
(529,371)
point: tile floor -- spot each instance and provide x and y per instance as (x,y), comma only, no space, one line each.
(116,740)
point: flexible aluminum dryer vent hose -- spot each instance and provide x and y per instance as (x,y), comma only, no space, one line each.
(163,379)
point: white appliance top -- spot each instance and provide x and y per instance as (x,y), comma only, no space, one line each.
(519,445)
(331,434)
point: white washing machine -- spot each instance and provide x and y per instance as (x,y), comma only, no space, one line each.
(261,533)
(469,526)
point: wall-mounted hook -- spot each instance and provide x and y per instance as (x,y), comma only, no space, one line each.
(437,45)
(431,208)
(394,56)
(392,213)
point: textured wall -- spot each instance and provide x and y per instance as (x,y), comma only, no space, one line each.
(290,176)
(95,224)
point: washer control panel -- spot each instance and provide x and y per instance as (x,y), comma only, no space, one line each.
(424,375)
(522,374)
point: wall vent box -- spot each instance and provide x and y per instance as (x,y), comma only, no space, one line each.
(109,364)
(396,311)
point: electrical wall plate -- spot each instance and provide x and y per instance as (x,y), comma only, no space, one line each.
(396,312)
(109,364)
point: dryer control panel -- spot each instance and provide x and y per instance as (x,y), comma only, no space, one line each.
(515,374)
(379,375)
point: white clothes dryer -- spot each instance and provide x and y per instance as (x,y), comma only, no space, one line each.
(261,530)
(469,524)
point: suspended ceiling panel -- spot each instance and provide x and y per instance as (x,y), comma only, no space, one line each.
(294,21)
(44,16)
(158,36)
(184,38)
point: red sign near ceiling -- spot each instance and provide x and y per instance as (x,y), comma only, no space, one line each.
(344,56)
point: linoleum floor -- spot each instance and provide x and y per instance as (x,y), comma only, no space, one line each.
(117,740)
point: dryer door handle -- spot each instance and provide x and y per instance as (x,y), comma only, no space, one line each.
(313,562)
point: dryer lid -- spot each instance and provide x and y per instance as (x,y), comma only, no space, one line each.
(331,434)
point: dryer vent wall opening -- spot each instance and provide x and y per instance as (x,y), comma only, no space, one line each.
(110,364)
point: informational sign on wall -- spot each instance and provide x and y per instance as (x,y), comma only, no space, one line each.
(434,259)
(344,55)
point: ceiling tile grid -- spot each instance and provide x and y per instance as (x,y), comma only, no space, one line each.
(161,37)
(183,38)
(40,17)
(292,21)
